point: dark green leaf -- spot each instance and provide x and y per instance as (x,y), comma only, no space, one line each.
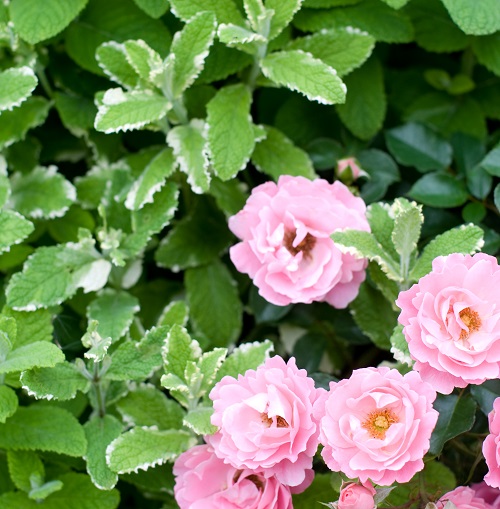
(440,190)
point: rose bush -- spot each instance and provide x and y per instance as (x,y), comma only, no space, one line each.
(377,424)
(286,248)
(265,421)
(451,320)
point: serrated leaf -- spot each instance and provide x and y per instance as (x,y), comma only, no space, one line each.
(112,59)
(364,110)
(125,111)
(284,11)
(35,21)
(22,466)
(231,137)
(407,227)
(16,85)
(145,405)
(174,313)
(100,432)
(466,239)
(39,354)
(240,38)
(8,403)
(364,245)
(381,219)
(438,189)
(190,48)
(276,155)
(31,326)
(477,19)
(254,10)
(16,123)
(225,10)
(141,448)
(456,415)
(220,323)
(154,8)
(14,228)
(244,357)
(399,346)
(114,310)
(198,420)
(42,193)
(40,493)
(43,428)
(210,364)
(487,52)
(60,382)
(344,49)
(190,147)
(178,350)
(143,59)
(300,71)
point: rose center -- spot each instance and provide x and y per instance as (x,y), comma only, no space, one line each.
(268,421)
(472,320)
(378,422)
(257,481)
(305,245)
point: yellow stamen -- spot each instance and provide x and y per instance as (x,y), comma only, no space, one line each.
(378,422)
(472,320)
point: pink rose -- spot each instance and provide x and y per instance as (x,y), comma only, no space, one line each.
(265,421)
(203,481)
(377,425)
(286,247)
(464,498)
(357,496)
(491,447)
(489,494)
(451,321)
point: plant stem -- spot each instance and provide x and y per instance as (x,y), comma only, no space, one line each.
(99,392)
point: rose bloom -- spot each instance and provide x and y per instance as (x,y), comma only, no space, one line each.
(377,425)
(204,481)
(451,320)
(357,496)
(464,498)
(286,247)
(265,421)
(349,163)
(489,494)
(491,447)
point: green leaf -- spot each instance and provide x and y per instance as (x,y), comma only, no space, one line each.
(477,19)
(364,245)
(8,403)
(154,8)
(198,420)
(407,227)
(112,59)
(189,50)
(39,354)
(383,172)
(44,428)
(320,491)
(77,113)
(276,155)
(300,71)
(230,196)
(466,239)
(231,137)
(220,323)
(240,38)
(418,146)
(115,20)
(35,21)
(372,16)
(141,448)
(114,310)
(440,190)
(456,415)
(145,61)
(16,123)
(31,326)
(374,315)
(486,394)
(496,197)
(343,49)
(225,10)
(125,111)
(145,405)
(434,29)
(364,110)
(60,382)
(284,11)
(14,228)
(23,466)
(178,350)
(16,85)
(43,193)
(491,162)
(174,313)
(100,432)
(190,148)
(396,4)
(399,346)
(487,52)
(244,357)
(40,493)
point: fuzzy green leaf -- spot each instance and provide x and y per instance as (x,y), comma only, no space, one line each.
(40,354)
(142,448)
(466,239)
(407,227)
(23,465)
(276,155)
(36,21)
(478,18)
(178,350)
(8,403)
(145,61)
(32,326)
(198,420)
(284,11)
(112,59)
(225,10)
(396,4)
(100,432)
(487,51)
(60,382)
(231,137)
(43,428)
(14,228)
(300,71)
(16,85)
(174,313)
(154,8)
(240,38)
(399,346)
(43,193)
